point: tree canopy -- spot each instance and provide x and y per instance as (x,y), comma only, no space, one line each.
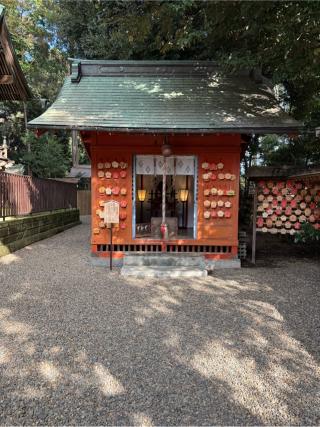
(282,39)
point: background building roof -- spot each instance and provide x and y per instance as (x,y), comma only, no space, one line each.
(164,96)
(13,85)
(281,172)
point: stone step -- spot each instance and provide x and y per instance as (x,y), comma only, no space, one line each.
(162,272)
(164,260)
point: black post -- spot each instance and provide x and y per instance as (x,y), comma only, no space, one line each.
(111,247)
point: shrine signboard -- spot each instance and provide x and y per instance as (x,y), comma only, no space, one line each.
(111,213)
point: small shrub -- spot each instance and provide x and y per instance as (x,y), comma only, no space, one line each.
(308,234)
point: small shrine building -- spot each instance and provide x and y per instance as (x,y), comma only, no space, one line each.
(165,140)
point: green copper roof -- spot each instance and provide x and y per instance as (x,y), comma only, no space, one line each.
(163,96)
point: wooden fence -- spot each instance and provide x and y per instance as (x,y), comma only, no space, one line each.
(84,202)
(23,195)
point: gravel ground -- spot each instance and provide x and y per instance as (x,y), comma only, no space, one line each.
(79,345)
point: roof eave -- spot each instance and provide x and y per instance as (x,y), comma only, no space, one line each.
(249,130)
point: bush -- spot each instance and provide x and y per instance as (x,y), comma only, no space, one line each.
(308,234)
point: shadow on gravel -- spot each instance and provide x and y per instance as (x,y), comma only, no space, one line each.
(82,346)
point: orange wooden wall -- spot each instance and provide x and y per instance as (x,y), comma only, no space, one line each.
(225,148)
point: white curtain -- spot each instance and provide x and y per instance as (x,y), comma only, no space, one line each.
(153,165)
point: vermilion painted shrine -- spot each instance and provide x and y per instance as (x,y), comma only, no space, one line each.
(136,118)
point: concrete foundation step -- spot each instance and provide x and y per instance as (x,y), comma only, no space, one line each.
(164,265)
(162,272)
(172,260)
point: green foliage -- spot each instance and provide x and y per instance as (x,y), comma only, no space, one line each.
(46,159)
(303,151)
(308,234)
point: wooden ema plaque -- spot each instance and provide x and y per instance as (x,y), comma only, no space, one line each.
(111,213)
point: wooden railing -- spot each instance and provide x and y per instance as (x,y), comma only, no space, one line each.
(23,195)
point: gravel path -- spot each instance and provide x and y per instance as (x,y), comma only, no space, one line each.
(79,345)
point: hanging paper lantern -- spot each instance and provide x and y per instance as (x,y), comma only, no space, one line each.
(101,174)
(123,174)
(107,165)
(278,211)
(205,165)
(115,165)
(207,204)
(123,191)
(213,177)
(123,225)
(101,190)
(213,214)
(260,197)
(206,214)
(213,204)
(297,226)
(213,167)
(266,191)
(100,165)
(283,203)
(227,214)
(123,204)
(220,165)
(206,192)
(123,165)
(108,191)
(220,214)
(96,231)
(220,192)
(108,175)
(303,205)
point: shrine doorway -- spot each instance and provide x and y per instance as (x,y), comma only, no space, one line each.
(180,197)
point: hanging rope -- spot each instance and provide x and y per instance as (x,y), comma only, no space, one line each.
(164,176)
